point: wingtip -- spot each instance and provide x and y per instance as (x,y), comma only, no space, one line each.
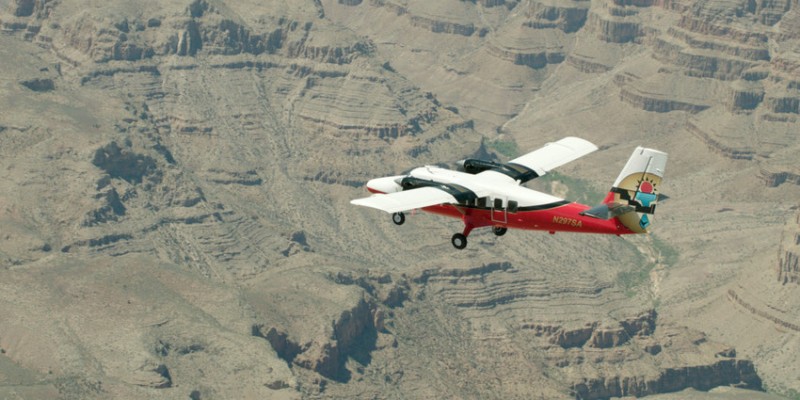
(577,143)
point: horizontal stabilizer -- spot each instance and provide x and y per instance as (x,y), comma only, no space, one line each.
(607,211)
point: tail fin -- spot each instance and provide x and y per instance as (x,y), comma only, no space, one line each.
(635,192)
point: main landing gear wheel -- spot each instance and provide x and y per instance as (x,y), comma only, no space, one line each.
(459,241)
(499,230)
(398,218)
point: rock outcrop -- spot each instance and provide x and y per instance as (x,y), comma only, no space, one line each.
(153,376)
(568,16)
(777,178)
(597,335)
(745,96)
(762,311)
(39,84)
(357,307)
(724,372)
(615,353)
(122,163)
(615,24)
(719,145)
(789,268)
(788,258)
(651,101)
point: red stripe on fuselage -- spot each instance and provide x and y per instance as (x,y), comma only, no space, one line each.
(562,218)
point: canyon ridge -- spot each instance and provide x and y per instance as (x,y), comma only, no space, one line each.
(175,179)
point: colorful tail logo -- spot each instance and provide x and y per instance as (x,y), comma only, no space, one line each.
(637,187)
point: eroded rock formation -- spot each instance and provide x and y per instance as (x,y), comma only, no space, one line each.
(724,372)
(192,161)
(788,261)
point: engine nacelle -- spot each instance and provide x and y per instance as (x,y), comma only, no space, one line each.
(389,184)
(517,172)
(475,166)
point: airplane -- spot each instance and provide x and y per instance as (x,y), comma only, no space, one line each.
(490,194)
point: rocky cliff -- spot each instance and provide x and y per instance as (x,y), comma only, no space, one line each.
(176,175)
(788,268)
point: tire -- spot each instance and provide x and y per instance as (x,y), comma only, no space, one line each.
(499,230)
(398,218)
(459,241)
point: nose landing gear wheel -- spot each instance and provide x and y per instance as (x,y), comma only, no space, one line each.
(459,241)
(398,218)
(499,230)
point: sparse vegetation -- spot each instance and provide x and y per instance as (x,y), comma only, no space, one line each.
(638,271)
(640,274)
(632,279)
(782,391)
(667,255)
(507,148)
(579,190)
(789,393)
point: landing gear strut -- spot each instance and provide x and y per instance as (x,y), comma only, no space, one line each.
(398,218)
(459,240)
(499,230)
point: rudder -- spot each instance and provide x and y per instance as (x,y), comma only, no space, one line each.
(635,192)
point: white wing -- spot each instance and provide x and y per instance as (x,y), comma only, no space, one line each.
(547,158)
(406,200)
(555,154)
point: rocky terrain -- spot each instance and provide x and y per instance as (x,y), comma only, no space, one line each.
(175,179)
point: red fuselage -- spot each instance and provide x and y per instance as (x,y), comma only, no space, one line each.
(560,217)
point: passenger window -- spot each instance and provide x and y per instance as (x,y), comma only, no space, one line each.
(512,206)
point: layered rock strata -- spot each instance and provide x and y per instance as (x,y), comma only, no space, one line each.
(188,165)
(788,262)
(578,347)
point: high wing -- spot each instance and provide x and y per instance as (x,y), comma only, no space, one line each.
(406,200)
(545,159)
(555,154)
(430,186)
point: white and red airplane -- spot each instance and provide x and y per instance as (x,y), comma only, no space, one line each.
(485,193)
